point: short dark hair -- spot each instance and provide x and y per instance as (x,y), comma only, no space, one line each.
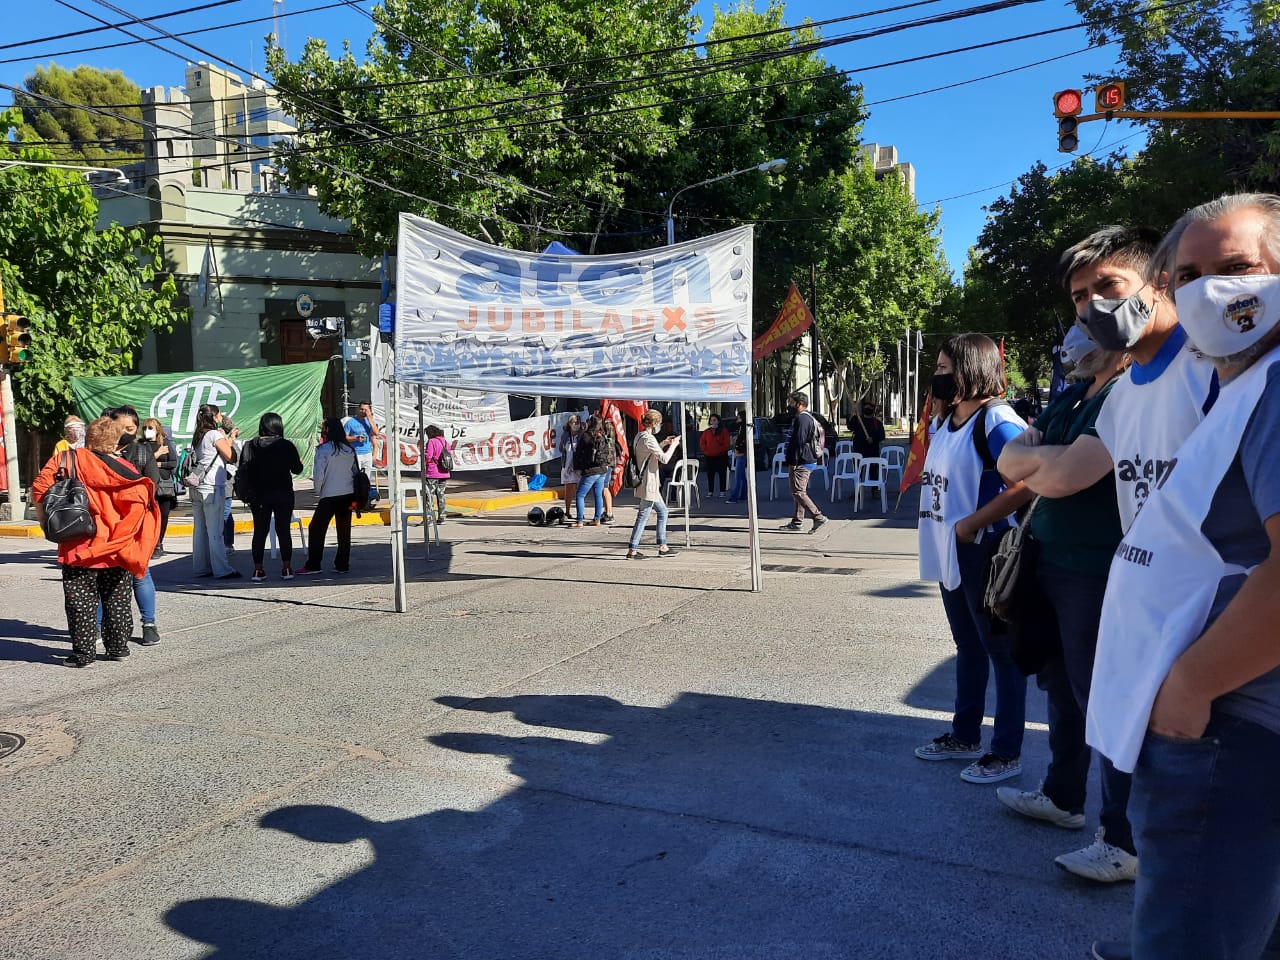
(270,425)
(1130,247)
(800,397)
(979,370)
(126,411)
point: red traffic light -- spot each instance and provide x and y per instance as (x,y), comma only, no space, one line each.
(1109,96)
(1067,103)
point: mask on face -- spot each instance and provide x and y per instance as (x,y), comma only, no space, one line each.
(1116,324)
(944,388)
(1224,316)
(1089,366)
(149,433)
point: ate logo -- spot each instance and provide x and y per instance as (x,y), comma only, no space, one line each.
(1143,476)
(1241,315)
(177,405)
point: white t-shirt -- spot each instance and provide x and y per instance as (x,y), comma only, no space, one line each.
(1152,409)
(217,474)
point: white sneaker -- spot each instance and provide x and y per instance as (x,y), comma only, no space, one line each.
(1100,862)
(1037,806)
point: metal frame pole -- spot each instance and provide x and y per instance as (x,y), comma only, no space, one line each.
(686,492)
(399,587)
(753,517)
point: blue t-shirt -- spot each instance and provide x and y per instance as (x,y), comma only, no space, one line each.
(1247,497)
(991,484)
(362,430)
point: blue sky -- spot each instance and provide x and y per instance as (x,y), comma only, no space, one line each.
(963,142)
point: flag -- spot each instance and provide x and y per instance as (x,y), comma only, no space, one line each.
(206,270)
(385,285)
(919,447)
(793,319)
(635,409)
(611,412)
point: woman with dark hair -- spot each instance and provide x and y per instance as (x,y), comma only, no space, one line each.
(166,457)
(211,451)
(268,464)
(569,476)
(437,478)
(965,506)
(334,479)
(714,444)
(99,568)
(593,459)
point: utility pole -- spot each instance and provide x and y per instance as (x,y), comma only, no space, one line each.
(7,409)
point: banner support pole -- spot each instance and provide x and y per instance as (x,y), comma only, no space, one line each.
(753,516)
(687,492)
(399,588)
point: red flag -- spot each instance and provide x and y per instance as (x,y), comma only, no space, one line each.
(793,319)
(611,412)
(919,447)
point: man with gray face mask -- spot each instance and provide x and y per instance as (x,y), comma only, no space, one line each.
(1120,296)
(1186,686)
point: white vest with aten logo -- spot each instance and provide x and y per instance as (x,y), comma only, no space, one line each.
(1165,575)
(949,492)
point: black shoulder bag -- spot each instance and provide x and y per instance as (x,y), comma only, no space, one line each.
(66,505)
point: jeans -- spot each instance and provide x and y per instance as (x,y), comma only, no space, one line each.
(1077,606)
(978,653)
(739,479)
(279,509)
(435,493)
(800,494)
(144,593)
(1208,835)
(337,509)
(642,517)
(594,484)
(228,525)
(208,554)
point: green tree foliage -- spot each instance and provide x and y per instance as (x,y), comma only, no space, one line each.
(80,136)
(92,296)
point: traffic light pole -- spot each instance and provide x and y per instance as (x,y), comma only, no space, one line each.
(10,447)
(1182,115)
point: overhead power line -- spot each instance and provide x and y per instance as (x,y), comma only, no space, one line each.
(112,26)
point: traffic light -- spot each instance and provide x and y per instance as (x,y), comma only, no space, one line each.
(17,338)
(1109,97)
(1067,105)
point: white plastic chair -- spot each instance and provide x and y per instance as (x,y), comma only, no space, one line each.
(683,480)
(294,521)
(821,467)
(423,511)
(843,446)
(895,459)
(865,481)
(778,472)
(845,470)
(780,450)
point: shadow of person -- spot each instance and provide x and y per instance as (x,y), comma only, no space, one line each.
(714,827)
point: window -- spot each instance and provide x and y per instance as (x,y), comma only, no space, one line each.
(239,118)
(261,139)
(258,115)
(169,144)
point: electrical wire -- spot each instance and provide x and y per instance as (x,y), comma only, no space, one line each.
(112,26)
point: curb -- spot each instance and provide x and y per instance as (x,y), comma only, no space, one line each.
(471,506)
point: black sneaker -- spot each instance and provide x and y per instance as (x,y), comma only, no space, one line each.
(665,551)
(607,518)
(793,525)
(634,555)
(119,655)
(233,575)
(259,575)
(817,522)
(74,661)
(150,635)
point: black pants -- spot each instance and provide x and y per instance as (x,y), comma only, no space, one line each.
(337,509)
(166,505)
(718,472)
(83,588)
(281,510)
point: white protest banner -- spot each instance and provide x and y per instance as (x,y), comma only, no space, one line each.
(666,324)
(489,446)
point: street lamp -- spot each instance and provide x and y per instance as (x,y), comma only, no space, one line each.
(769,166)
(120,175)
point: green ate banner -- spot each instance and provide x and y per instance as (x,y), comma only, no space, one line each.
(291,390)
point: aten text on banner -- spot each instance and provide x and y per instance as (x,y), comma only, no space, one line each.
(291,390)
(793,319)
(665,324)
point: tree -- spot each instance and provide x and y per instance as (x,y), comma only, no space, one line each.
(92,296)
(73,135)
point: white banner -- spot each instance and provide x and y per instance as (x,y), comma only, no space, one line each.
(488,446)
(672,323)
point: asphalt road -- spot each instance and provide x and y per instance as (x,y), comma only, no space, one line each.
(555,754)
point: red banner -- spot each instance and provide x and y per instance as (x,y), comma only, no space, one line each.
(919,447)
(793,319)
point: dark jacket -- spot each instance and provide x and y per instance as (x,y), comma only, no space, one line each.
(802,445)
(867,443)
(138,452)
(268,466)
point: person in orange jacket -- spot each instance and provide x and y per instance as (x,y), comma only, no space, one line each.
(100,567)
(714,444)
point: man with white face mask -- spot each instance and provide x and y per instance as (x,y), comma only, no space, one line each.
(1186,684)
(1119,294)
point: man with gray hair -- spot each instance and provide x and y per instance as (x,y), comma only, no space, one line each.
(1186,683)
(1120,297)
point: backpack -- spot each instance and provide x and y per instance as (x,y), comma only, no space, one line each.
(444,462)
(242,483)
(584,454)
(632,475)
(603,453)
(819,440)
(66,505)
(190,472)
(361,487)
(980,441)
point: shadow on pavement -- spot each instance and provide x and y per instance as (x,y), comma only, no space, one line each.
(16,645)
(715,827)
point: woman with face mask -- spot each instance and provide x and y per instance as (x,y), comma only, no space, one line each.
(568,475)
(166,457)
(964,508)
(714,444)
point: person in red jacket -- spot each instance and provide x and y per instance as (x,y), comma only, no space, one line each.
(714,443)
(100,567)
